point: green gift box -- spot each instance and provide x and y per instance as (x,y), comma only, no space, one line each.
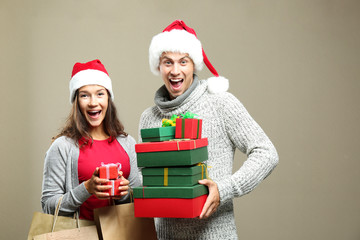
(157,134)
(172,158)
(171,153)
(173,176)
(170,192)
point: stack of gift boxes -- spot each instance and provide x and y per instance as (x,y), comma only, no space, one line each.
(171,160)
(111,172)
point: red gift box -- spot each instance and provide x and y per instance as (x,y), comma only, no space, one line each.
(188,128)
(169,207)
(114,191)
(170,145)
(109,171)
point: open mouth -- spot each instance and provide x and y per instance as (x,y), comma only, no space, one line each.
(94,114)
(176,83)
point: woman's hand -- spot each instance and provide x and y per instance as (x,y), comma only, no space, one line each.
(93,185)
(124,186)
(212,201)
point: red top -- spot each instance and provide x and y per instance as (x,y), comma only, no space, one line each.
(91,156)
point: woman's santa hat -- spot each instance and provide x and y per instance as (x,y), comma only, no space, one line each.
(178,37)
(90,73)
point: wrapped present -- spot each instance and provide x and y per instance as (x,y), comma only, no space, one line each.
(114,191)
(109,171)
(175,145)
(157,134)
(172,158)
(170,192)
(173,176)
(172,153)
(169,207)
(189,128)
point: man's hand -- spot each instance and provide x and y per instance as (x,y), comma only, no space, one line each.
(212,201)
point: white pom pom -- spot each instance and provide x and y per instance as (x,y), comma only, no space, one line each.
(217,84)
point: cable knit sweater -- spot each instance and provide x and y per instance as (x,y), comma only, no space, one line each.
(228,126)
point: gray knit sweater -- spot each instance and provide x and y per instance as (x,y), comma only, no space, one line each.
(228,126)
(61,175)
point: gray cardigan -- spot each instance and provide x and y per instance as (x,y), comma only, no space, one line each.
(60,175)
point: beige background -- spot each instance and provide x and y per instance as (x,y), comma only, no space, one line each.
(293,64)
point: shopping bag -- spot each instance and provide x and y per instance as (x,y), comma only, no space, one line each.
(46,223)
(83,233)
(117,222)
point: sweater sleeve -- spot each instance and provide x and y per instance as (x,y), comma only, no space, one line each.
(54,180)
(134,176)
(250,139)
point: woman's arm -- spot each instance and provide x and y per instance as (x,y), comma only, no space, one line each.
(57,180)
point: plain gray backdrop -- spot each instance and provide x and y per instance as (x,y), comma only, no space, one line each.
(293,64)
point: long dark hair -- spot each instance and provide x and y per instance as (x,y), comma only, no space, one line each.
(76,126)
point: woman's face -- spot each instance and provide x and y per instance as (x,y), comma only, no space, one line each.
(93,102)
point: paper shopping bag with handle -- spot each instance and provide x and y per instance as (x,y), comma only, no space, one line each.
(118,222)
(48,226)
(83,233)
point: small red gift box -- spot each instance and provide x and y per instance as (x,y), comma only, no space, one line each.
(188,128)
(169,207)
(109,171)
(114,191)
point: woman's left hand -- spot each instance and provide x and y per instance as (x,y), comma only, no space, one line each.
(213,199)
(124,186)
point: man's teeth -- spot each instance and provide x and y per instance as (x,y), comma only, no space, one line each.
(176,80)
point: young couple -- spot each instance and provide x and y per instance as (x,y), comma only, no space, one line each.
(94,135)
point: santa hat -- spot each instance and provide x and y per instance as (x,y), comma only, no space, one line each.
(90,73)
(178,37)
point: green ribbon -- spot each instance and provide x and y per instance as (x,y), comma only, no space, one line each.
(188,115)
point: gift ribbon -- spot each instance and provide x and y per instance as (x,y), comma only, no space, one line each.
(188,115)
(182,139)
(113,187)
(198,129)
(183,128)
(166,174)
(170,122)
(204,168)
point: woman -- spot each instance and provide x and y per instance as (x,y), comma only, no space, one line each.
(92,136)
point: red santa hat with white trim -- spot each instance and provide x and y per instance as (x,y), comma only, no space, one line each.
(90,73)
(178,37)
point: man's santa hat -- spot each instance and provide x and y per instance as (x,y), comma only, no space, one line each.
(178,37)
(90,73)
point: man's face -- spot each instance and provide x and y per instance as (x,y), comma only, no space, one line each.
(177,71)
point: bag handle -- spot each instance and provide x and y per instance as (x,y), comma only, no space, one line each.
(56,214)
(131,193)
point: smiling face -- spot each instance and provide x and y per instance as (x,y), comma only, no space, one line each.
(93,103)
(177,71)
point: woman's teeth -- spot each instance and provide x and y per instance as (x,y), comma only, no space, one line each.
(93,113)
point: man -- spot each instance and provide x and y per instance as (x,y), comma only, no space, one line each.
(176,54)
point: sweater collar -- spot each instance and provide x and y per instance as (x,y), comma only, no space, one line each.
(182,102)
